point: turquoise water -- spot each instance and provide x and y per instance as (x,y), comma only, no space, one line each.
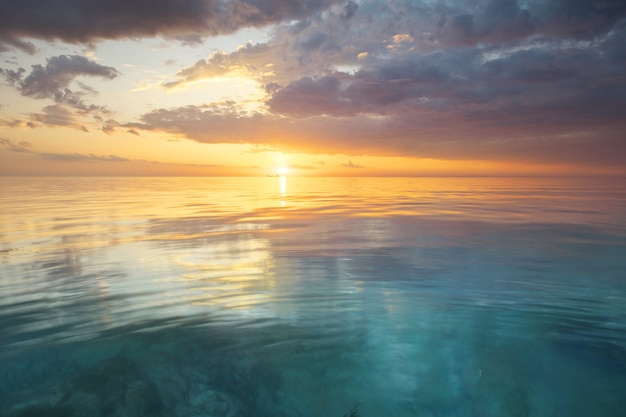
(312,297)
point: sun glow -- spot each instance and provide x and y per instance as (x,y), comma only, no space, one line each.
(282,170)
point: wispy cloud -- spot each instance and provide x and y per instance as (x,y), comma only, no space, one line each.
(351,164)
(75,157)
(300,166)
(25,147)
(56,115)
(21,147)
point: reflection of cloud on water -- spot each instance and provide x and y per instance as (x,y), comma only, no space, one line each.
(230,267)
(234,273)
(292,265)
(58,294)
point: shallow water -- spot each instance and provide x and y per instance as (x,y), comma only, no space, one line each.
(312,297)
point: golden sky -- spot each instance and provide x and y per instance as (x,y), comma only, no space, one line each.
(320,87)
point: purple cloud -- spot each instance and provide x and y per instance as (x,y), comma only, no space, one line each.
(188,20)
(539,81)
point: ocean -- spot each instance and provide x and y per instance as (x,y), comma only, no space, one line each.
(312,297)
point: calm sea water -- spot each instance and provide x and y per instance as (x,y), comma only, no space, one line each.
(225,297)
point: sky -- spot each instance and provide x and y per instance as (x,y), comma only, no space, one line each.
(314,87)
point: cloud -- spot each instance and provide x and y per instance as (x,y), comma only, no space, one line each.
(300,166)
(500,21)
(110,126)
(299,46)
(350,164)
(22,147)
(9,42)
(188,20)
(401,41)
(538,81)
(584,19)
(56,115)
(251,60)
(12,77)
(507,51)
(14,122)
(53,80)
(307,96)
(554,133)
(349,10)
(214,123)
(534,92)
(75,157)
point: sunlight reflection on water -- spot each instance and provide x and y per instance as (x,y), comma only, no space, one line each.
(438,296)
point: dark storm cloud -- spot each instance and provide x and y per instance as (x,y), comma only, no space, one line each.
(581,19)
(497,21)
(79,21)
(349,10)
(545,81)
(412,81)
(615,47)
(307,96)
(492,21)
(313,42)
(402,65)
(532,67)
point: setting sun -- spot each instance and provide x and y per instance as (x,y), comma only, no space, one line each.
(202,90)
(313,208)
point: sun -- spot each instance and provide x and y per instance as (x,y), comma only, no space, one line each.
(282,170)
